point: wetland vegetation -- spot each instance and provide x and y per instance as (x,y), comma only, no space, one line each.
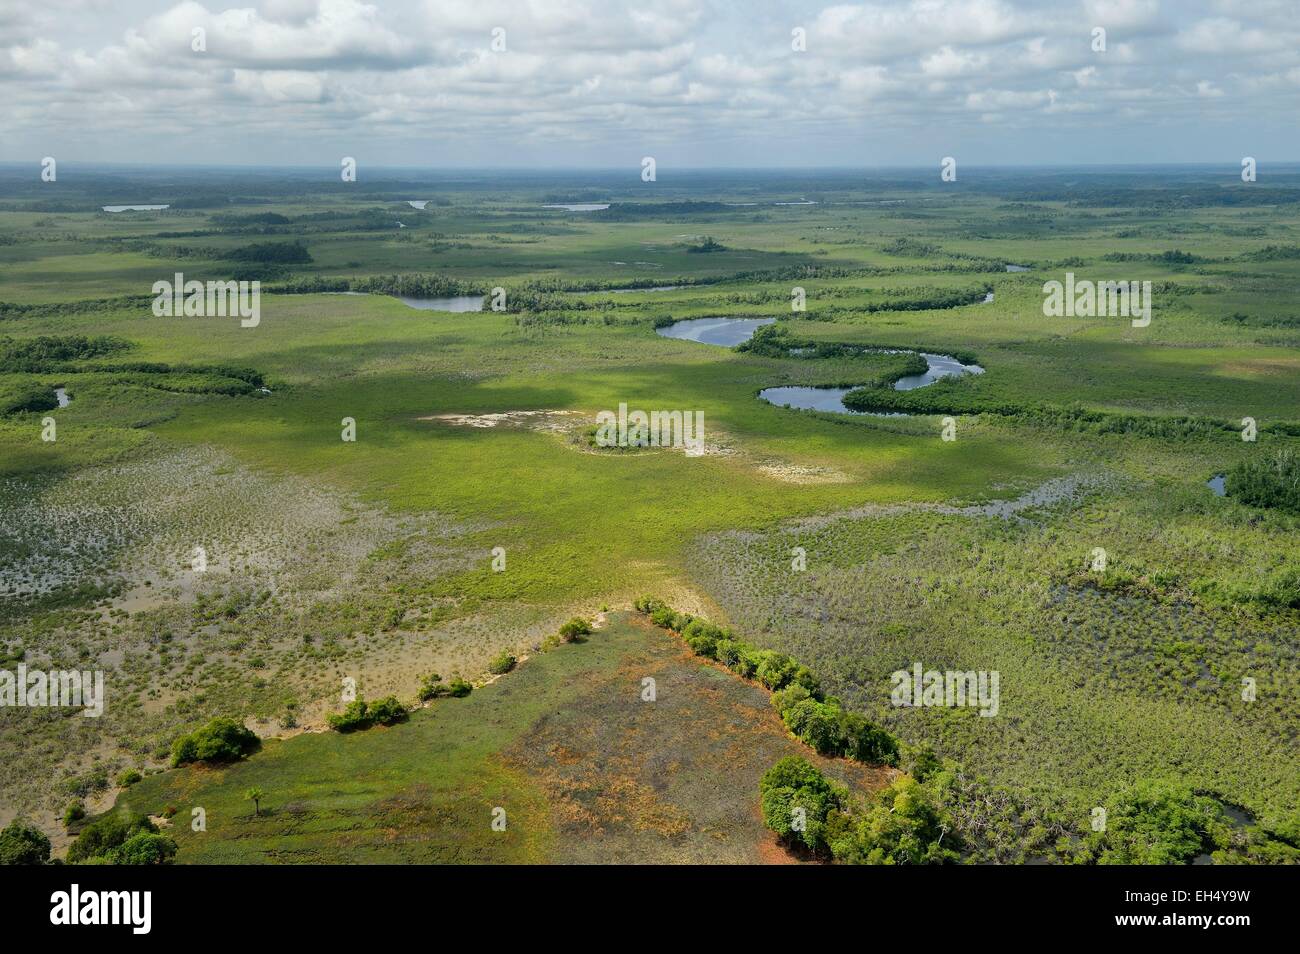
(199,526)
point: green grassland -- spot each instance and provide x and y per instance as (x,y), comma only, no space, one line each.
(373,558)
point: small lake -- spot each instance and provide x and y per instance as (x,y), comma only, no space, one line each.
(817,399)
(417,203)
(580,206)
(61,396)
(1216,483)
(135,208)
(724,332)
(625,291)
(1018,268)
(454,303)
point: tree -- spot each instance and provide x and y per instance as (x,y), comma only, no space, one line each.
(105,834)
(144,848)
(221,740)
(797,801)
(255,796)
(23,844)
(905,824)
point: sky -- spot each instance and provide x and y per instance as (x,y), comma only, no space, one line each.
(604,83)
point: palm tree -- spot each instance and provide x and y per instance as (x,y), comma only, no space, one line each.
(255,796)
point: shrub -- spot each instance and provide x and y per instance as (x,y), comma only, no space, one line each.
(818,725)
(575,628)
(458,687)
(221,740)
(663,616)
(23,844)
(502,664)
(703,646)
(387,711)
(75,813)
(128,778)
(784,699)
(432,687)
(648,604)
(1267,482)
(355,715)
(728,652)
(775,670)
(864,741)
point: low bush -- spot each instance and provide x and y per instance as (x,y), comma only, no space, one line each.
(1272,482)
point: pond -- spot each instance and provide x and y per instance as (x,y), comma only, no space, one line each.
(724,332)
(61,396)
(817,399)
(135,208)
(1217,484)
(580,206)
(454,303)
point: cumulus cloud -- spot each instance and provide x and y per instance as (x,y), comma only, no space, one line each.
(421,80)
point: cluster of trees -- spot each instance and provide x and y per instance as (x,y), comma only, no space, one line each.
(1156,822)
(360,714)
(23,844)
(1272,481)
(1273,253)
(26,397)
(934,299)
(122,838)
(248,220)
(221,740)
(434,688)
(52,352)
(903,824)
(414,286)
(1173,257)
(961,396)
(818,720)
(272,253)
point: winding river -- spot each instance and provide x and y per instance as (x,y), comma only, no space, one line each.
(729,332)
